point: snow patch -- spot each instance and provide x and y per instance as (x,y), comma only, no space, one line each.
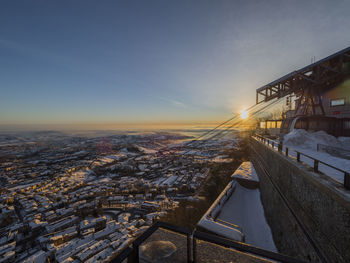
(306,142)
(39,257)
(246,171)
(244,209)
(309,140)
(146,150)
(221,229)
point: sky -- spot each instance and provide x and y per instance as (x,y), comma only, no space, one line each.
(109,63)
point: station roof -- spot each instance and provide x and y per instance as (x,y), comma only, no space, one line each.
(329,70)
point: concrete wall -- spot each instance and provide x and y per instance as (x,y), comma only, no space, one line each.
(321,205)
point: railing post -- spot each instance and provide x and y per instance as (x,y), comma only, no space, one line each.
(298,156)
(194,249)
(287,151)
(315,166)
(189,248)
(134,256)
(280,147)
(347,180)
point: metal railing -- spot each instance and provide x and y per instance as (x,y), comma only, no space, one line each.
(131,254)
(279,146)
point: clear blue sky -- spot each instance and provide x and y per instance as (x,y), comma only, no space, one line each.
(64,62)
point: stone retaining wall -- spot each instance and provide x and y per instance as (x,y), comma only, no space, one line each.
(322,206)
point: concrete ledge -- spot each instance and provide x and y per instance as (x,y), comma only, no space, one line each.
(246,176)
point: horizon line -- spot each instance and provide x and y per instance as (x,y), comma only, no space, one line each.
(107,126)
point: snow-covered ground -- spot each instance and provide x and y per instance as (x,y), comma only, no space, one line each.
(82,175)
(309,140)
(224,230)
(340,163)
(238,212)
(209,222)
(244,208)
(306,142)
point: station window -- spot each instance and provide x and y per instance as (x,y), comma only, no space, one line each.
(270,124)
(337,102)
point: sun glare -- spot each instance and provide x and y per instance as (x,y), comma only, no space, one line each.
(244,114)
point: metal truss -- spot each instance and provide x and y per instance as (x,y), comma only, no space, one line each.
(308,83)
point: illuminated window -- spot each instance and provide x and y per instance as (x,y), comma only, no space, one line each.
(337,102)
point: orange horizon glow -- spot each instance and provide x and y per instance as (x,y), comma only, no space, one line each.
(112,126)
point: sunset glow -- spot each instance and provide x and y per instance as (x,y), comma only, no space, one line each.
(244,114)
(120,71)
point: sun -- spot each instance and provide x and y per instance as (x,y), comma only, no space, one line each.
(244,114)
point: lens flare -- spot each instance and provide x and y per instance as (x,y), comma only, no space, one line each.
(244,114)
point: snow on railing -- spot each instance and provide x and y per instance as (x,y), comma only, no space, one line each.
(279,146)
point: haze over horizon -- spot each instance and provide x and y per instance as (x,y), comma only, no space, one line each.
(111,64)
